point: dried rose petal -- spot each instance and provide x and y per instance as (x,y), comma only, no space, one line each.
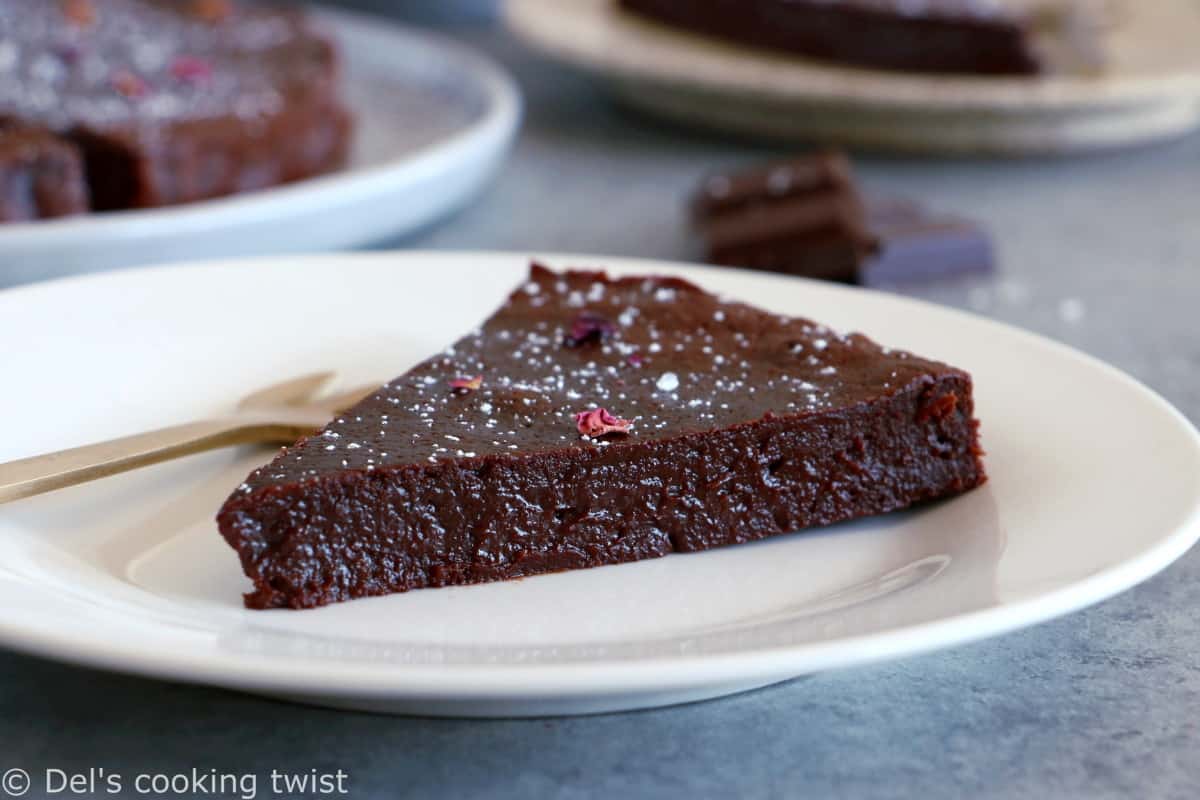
(599,422)
(465,385)
(589,327)
(80,12)
(635,360)
(191,69)
(129,84)
(212,10)
(69,54)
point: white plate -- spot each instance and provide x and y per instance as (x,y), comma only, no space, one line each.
(1151,91)
(434,122)
(1095,485)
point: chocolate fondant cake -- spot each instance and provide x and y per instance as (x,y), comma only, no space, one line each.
(994,37)
(596,421)
(169,101)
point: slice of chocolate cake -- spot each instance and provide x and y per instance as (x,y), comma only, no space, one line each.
(41,175)
(171,101)
(996,37)
(595,421)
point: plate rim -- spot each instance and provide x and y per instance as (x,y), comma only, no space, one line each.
(597,678)
(498,121)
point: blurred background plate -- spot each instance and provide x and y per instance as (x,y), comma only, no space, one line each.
(435,120)
(1150,92)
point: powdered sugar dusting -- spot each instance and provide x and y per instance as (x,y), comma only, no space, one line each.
(124,62)
(659,358)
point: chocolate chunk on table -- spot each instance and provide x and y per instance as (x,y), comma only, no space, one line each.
(924,246)
(823,171)
(806,217)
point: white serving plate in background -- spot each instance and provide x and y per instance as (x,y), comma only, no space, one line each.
(1151,91)
(435,121)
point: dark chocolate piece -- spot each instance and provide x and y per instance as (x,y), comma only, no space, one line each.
(924,247)
(938,36)
(803,216)
(806,217)
(170,102)
(800,177)
(41,175)
(693,423)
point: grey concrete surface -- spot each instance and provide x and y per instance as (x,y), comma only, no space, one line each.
(1102,253)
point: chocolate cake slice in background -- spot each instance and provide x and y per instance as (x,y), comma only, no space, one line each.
(41,175)
(997,37)
(171,101)
(596,421)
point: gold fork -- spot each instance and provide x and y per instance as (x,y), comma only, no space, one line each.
(281,413)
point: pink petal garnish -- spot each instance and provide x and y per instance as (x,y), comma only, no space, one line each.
(212,10)
(129,84)
(599,422)
(69,53)
(466,384)
(191,69)
(635,360)
(80,12)
(589,327)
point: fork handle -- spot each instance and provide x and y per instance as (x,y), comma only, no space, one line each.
(45,473)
